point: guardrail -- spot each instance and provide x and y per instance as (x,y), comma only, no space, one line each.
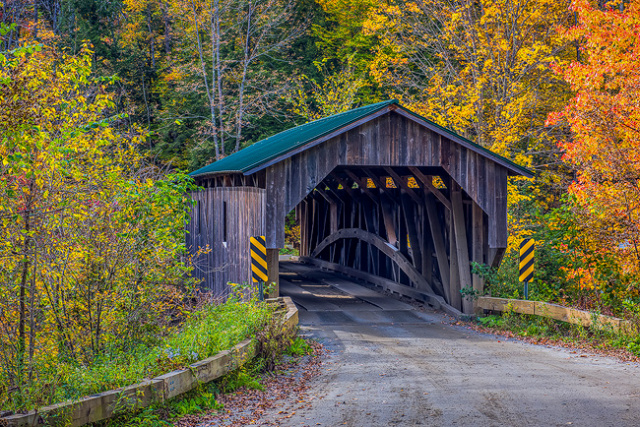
(110,403)
(555,311)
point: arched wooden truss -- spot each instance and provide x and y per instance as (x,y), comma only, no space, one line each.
(383,246)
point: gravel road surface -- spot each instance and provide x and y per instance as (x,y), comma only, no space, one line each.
(393,363)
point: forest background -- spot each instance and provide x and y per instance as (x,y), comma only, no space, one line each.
(165,86)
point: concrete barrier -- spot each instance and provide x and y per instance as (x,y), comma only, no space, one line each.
(107,404)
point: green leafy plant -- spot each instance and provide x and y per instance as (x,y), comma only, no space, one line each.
(469,294)
(299,347)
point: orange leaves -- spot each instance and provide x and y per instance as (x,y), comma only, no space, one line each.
(603,117)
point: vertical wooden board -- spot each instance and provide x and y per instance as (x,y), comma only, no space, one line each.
(472,185)
(333,216)
(311,176)
(275,214)
(490,180)
(424,138)
(272,188)
(378,156)
(332,158)
(436,150)
(342,150)
(362,135)
(299,176)
(481,180)
(454,161)
(384,141)
(501,206)
(356,148)
(445,153)
(462,167)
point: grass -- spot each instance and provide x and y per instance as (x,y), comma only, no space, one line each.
(545,329)
(203,399)
(208,331)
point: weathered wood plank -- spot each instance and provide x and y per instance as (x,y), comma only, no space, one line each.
(555,311)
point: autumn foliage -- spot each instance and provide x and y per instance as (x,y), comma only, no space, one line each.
(91,243)
(604,118)
(92,240)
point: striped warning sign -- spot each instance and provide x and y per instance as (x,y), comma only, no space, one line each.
(259,259)
(526,260)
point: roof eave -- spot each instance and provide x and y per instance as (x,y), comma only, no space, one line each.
(513,168)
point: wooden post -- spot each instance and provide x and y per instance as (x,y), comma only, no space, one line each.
(454,270)
(415,241)
(478,244)
(462,248)
(273,270)
(437,234)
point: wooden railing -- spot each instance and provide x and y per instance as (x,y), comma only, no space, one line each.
(555,311)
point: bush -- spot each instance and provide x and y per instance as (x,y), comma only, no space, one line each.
(207,331)
(94,267)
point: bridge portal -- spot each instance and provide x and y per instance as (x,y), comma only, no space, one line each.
(380,193)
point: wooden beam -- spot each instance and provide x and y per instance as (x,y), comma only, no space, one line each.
(402,183)
(324,194)
(381,185)
(429,185)
(362,182)
(383,246)
(389,224)
(410,221)
(462,248)
(363,186)
(454,269)
(344,184)
(437,234)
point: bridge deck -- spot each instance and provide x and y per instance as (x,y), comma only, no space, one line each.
(324,297)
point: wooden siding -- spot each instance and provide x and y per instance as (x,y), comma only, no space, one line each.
(242,209)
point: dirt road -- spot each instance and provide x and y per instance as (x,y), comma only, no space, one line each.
(392,363)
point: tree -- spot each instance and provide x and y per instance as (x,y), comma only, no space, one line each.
(92,238)
(604,119)
(226,54)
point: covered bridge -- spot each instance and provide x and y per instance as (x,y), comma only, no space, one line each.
(379,192)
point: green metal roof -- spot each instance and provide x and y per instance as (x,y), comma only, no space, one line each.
(277,145)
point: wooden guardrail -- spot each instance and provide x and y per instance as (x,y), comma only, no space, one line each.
(110,403)
(555,311)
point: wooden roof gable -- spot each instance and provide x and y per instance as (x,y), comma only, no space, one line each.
(295,140)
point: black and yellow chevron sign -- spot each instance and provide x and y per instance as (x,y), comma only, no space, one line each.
(259,259)
(526,260)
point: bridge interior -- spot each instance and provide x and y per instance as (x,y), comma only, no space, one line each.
(396,227)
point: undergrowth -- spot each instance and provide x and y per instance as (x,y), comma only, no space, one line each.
(536,327)
(204,398)
(207,331)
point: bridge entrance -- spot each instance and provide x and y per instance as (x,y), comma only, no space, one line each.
(380,194)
